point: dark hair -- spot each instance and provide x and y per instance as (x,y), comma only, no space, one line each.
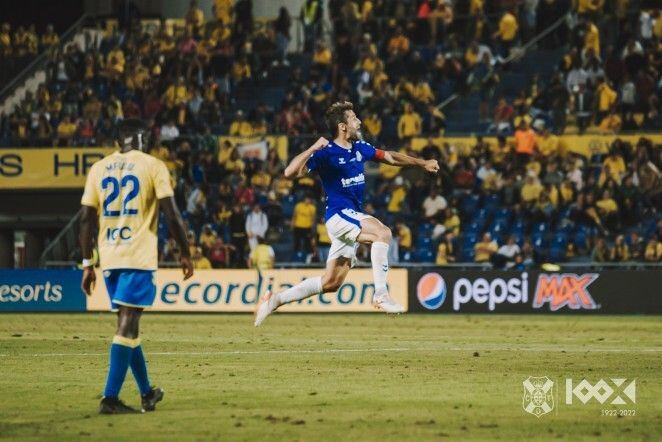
(335,115)
(130,128)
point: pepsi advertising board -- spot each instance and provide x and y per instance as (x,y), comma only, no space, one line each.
(41,291)
(450,291)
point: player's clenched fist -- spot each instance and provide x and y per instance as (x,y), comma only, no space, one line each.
(431,166)
(322,142)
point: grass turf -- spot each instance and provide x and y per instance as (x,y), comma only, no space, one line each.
(327,377)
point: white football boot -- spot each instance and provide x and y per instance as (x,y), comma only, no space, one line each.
(265,306)
(384,302)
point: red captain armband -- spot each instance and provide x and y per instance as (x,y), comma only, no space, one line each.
(379,154)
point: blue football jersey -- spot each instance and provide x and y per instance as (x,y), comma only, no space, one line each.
(341,171)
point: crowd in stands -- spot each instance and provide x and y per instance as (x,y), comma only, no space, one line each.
(515,201)
(19,46)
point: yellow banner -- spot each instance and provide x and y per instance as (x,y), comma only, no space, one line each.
(238,291)
(585,145)
(29,168)
(278,142)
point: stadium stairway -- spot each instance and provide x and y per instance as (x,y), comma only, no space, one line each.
(463,116)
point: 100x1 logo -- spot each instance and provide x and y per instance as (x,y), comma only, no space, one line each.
(538,398)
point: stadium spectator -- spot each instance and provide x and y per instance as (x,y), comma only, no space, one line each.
(525,143)
(237,224)
(637,247)
(506,254)
(282,26)
(199,260)
(262,256)
(219,254)
(485,248)
(207,238)
(398,194)
(434,204)
(303,218)
(653,252)
(620,251)
(600,252)
(195,19)
(311,16)
(507,32)
(322,241)
(409,124)
(169,131)
(445,250)
(403,233)
(257,225)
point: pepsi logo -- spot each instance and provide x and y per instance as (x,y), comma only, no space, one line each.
(431,291)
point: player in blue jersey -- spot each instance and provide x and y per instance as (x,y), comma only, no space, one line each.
(340,165)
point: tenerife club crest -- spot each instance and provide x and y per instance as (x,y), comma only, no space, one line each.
(538,395)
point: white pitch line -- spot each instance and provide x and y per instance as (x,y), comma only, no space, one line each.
(357,350)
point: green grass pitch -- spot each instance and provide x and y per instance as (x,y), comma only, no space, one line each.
(330,377)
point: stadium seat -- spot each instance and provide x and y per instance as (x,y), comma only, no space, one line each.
(538,240)
(425,229)
(423,242)
(467,254)
(540,227)
(557,253)
(581,239)
(424,254)
(518,227)
(299,257)
(469,204)
(503,215)
(288,203)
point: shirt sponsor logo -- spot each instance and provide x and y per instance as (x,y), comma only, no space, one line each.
(116,234)
(353,181)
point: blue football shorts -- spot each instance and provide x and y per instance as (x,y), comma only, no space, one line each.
(130,287)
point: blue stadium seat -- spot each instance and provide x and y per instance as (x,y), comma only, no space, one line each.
(425,229)
(423,242)
(469,204)
(538,240)
(560,239)
(475,227)
(557,253)
(491,204)
(288,203)
(581,239)
(424,255)
(299,257)
(503,215)
(518,227)
(467,255)
(469,240)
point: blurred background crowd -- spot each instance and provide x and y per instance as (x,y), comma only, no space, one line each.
(515,198)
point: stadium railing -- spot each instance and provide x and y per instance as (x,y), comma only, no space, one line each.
(38,63)
(517,54)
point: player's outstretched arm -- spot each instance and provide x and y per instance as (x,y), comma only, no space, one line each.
(176,229)
(298,163)
(88,222)
(401,159)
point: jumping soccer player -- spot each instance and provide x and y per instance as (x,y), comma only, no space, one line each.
(340,165)
(123,193)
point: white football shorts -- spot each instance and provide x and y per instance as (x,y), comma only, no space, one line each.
(343,229)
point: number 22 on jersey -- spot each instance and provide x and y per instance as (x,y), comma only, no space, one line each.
(124,190)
